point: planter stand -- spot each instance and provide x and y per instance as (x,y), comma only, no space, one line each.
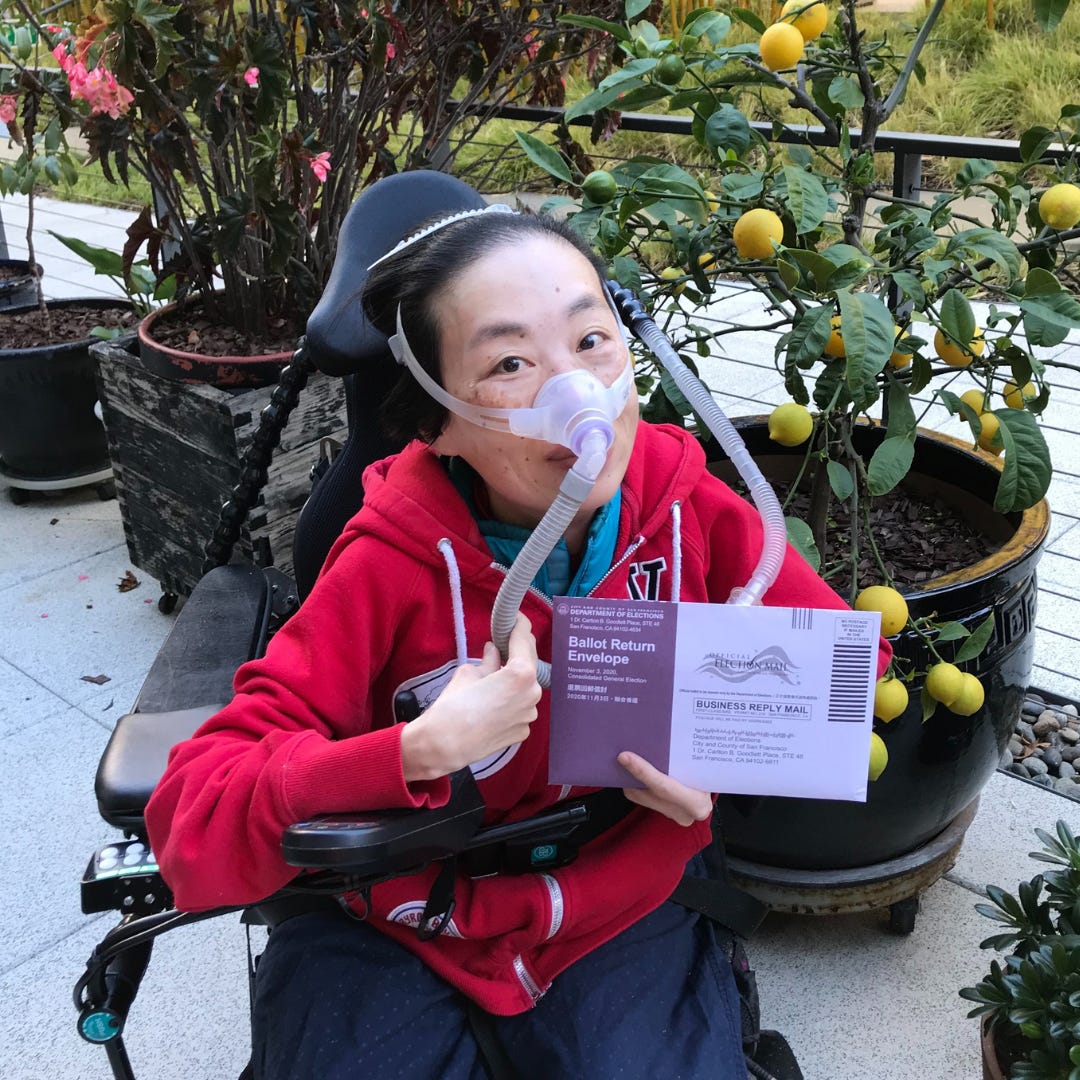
(895,883)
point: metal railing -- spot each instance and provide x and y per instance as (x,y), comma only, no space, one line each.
(908,148)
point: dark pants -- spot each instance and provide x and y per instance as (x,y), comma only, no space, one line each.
(336,1000)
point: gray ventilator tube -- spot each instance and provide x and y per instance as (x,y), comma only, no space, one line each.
(582,476)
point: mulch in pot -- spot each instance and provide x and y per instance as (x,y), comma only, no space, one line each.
(30,329)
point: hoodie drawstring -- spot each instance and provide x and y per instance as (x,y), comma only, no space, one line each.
(676,552)
(446,549)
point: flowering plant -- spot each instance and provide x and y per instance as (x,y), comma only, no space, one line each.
(256,122)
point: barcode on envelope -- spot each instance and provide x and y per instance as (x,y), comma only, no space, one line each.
(847,682)
(802,618)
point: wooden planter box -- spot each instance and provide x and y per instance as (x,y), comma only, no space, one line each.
(176,452)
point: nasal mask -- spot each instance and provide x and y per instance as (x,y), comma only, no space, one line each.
(573,409)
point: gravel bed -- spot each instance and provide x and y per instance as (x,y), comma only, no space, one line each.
(1045,747)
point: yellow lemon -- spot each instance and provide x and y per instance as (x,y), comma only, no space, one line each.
(713,201)
(706,259)
(756,231)
(781,47)
(1016,396)
(898,360)
(953,354)
(673,273)
(990,425)
(890,699)
(893,607)
(790,424)
(944,682)
(974,399)
(809,18)
(835,345)
(879,755)
(1059,206)
(971,696)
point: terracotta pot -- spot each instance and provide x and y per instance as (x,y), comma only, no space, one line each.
(991,1066)
(938,768)
(227,372)
(48,430)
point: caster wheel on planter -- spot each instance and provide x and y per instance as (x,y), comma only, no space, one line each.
(167,603)
(902,915)
(19,496)
(106,491)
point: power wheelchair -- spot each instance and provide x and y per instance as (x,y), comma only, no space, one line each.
(229,618)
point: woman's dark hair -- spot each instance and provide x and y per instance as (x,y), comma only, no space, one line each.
(414,277)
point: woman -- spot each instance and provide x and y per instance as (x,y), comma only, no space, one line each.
(588,971)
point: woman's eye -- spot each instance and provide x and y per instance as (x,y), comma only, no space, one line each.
(591,341)
(508,365)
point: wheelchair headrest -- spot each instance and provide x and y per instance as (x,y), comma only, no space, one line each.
(341,339)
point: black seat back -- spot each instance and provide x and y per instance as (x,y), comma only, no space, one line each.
(343,342)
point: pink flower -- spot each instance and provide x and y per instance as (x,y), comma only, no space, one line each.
(60,53)
(7,108)
(320,166)
(391,52)
(251,77)
(99,89)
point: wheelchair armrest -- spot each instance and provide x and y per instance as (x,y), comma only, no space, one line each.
(388,842)
(222,624)
(135,758)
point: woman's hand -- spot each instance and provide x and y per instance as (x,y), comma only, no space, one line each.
(485,708)
(684,805)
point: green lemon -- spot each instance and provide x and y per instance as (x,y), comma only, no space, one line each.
(599,186)
(670,70)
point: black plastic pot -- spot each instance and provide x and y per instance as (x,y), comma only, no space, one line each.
(937,768)
(48,430)
(17,283)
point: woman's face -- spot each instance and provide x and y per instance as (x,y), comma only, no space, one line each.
(531,309)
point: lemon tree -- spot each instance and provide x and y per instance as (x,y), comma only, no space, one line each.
(872,295)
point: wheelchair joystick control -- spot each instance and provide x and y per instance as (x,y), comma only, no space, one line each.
(406,707)
(124,877)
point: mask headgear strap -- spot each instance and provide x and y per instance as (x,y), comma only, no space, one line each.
(427,230)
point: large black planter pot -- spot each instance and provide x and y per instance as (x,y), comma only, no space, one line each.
(17,283)
(48,431)
(937,768)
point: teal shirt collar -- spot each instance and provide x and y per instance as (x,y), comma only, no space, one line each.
(506,541)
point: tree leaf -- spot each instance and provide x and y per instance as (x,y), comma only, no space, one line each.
(1048,317)
(902,422)
(989,243)
(101,259)
(845,91)
(551,161)
(1048,13)
(868,328)
(801,538)
(1026,475)
(976,642)
(957,318)
(951,631)
(810,334)
(806,198)
(1034,141)
(714,25)
(840,480)
(635,7)
(890,463)
(591,22)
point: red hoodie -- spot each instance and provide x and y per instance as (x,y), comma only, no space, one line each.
(311,729)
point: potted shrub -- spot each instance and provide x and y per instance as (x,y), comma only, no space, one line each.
(872,294)
(49,436)
(1030,1005)
(257,123)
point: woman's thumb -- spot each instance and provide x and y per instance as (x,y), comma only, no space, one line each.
(491,661)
